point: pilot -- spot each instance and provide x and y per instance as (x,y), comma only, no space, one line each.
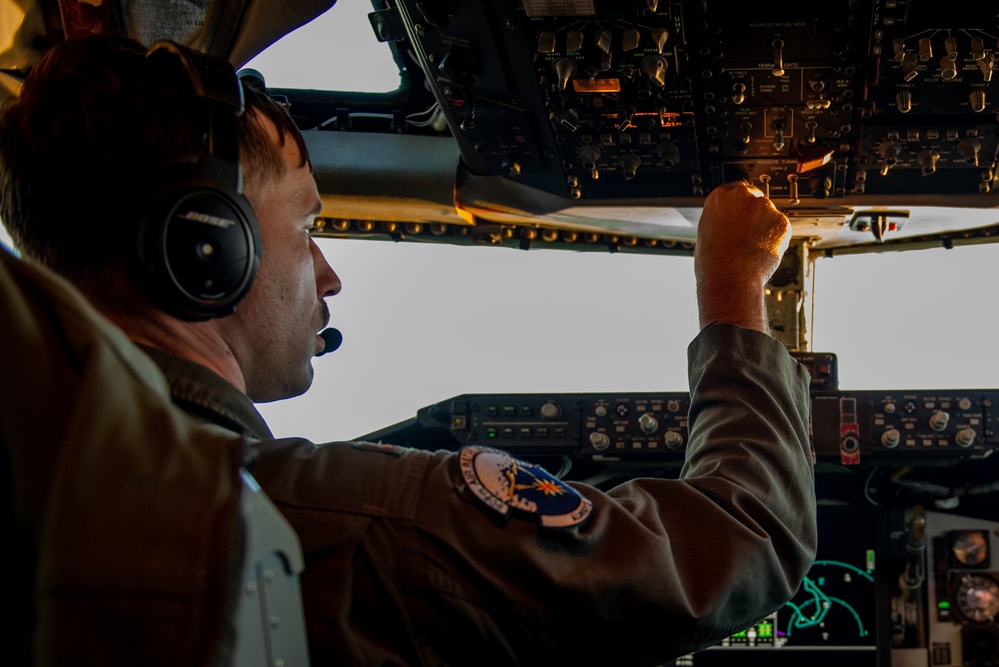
(411,557)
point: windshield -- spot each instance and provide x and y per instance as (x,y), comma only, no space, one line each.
(422,323)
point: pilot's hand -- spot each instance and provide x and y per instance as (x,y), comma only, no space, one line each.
(741,238)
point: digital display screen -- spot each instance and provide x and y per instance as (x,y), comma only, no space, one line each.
(830,622)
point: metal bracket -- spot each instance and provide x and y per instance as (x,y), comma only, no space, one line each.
(789,298)
(388,25)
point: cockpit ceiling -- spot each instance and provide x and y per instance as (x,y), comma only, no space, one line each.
(400,188)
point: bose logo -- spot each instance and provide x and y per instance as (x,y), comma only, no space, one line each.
(196,216)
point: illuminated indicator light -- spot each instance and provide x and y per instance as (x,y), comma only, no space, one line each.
(765,630)
(491,433)
(670,119)
(870,560)
(739,634)
(597,85)
(943,605)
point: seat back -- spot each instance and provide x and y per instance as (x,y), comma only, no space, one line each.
(270,621)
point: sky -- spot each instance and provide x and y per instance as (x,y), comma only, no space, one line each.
(422,323)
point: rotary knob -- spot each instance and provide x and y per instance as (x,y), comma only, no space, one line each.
(600,441)
(550,410)
(938,421)
(673,440)
(648,423)
(891,438)
(928,161)
(630,162)
(965,437)
(969,149)
(669,153)
(589,154)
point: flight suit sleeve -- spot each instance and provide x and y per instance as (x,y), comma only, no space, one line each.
(122,512)
(406,563)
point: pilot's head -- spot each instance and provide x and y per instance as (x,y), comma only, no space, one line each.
(85,151)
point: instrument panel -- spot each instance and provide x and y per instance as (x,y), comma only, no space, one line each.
(811,102)
(906,572)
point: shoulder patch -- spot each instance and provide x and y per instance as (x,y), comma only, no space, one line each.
(509,486)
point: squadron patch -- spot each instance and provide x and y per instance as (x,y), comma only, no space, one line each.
(506,485)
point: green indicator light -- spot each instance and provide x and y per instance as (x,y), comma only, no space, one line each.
(739,634)
(870,560)
(943,605)
(765,630)
(490,434)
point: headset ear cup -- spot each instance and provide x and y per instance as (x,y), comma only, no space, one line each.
(199,247)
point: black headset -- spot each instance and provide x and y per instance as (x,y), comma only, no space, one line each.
(199,240)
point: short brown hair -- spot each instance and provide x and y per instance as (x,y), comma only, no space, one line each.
(81,147)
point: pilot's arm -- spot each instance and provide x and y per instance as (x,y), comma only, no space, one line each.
(475,558)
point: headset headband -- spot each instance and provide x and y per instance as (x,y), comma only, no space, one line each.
(214,82)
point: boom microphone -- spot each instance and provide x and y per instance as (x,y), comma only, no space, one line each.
(333,339)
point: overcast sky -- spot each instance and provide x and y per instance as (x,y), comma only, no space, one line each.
(422,323)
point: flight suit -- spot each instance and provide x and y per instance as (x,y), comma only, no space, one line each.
(426,558)
(123,533)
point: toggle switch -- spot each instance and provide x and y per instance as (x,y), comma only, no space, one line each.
(977,99)
(925,48)
(565,68)
(630,39)
(546,42)
(948,68)
(909,64)
(660,36)
(950,46)
(603,38)
(903,99)
(765,185)
(573,41)
(778,127)
(986,64)
(778,69)
(738,93)
(792,190)
(654,67)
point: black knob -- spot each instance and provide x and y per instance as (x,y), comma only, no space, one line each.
(460,66)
